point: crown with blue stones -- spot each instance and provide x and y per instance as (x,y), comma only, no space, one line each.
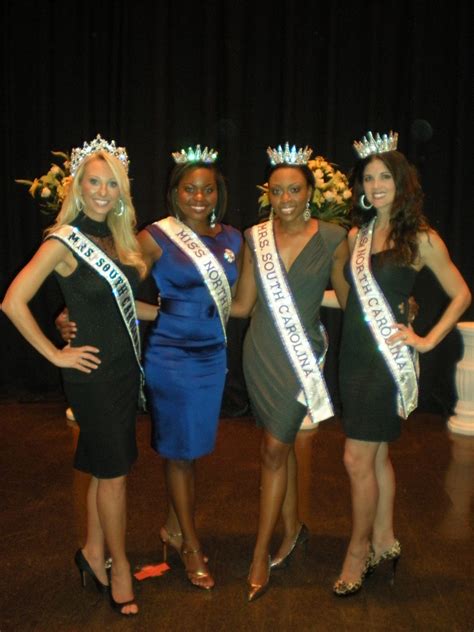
(195,154)
(79,154)
(289,156)
(376,145)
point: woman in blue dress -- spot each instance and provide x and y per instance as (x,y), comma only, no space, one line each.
(193,260)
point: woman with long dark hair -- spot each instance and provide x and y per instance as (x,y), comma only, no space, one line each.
(390,242)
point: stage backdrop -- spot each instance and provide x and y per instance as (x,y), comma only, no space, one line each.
(237,75)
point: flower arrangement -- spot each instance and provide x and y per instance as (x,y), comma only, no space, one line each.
(50,189)
(331,200)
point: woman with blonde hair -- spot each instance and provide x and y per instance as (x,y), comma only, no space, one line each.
(93,253)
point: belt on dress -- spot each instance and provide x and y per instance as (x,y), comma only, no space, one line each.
(175,307)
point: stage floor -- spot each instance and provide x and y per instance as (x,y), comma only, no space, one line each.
(42,524)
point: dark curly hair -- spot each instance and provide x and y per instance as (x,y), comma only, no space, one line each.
(178,173)
(406,215)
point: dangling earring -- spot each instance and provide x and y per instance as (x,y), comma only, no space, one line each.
(362,203)
(121,208)
(212,218)
(271,213)
(79,205)
(307,212)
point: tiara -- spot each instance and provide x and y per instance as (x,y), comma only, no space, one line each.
(79,154)
(378,145)
(195,155)
(289,156)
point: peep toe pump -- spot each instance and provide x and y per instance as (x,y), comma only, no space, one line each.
(117,606)
(300,539)
(85,569)
(342,588)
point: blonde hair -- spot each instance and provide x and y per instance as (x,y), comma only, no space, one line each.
(121,226)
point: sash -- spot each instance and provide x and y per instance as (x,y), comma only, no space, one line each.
(96,258)
(380,319)
(207,264)
(314,394)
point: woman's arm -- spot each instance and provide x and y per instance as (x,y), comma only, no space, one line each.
(52,255)
(151,251)
(246,293)
(435,256)
(146,311)
(338,296)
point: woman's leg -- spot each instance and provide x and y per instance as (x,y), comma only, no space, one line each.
(180,481)
(273,482)
(111,505)
(383,536)
(94,548)
(289,510)
(359,460)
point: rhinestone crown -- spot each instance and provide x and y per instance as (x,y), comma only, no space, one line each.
(378,145)
(78,154)
(195,154)
(289,156)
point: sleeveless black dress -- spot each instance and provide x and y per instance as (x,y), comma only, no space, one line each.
(367,388)
(105,401)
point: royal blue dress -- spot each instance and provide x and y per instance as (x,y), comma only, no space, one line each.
(185,354)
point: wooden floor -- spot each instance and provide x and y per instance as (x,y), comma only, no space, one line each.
(42,517)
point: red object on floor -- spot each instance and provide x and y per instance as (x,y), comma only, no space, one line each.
(153,570)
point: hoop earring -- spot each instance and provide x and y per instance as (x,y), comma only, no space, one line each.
(362,203)
(79,205)
(212,218)
(121,208)
(307,212)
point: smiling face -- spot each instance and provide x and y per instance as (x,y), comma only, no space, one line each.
(379,185)
(288,193)
(196,196)
(99,189)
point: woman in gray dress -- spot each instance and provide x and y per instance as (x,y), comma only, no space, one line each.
(288,261)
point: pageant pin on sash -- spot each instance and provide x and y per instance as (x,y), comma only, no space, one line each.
(207,264)
(380,319)
(314,393)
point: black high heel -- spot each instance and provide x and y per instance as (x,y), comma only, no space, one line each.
(301,538)
(117,606)
(85,569)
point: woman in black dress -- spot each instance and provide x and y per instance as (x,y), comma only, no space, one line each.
(93,252)
(390,243)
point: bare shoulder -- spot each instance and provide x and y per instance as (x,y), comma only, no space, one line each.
(150,249)
(431,244)
(351,236)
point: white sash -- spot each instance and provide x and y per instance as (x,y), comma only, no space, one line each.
(208,265)
(380,318)
(314,394)
(91,254)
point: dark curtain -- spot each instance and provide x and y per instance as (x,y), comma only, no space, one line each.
(158,76)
